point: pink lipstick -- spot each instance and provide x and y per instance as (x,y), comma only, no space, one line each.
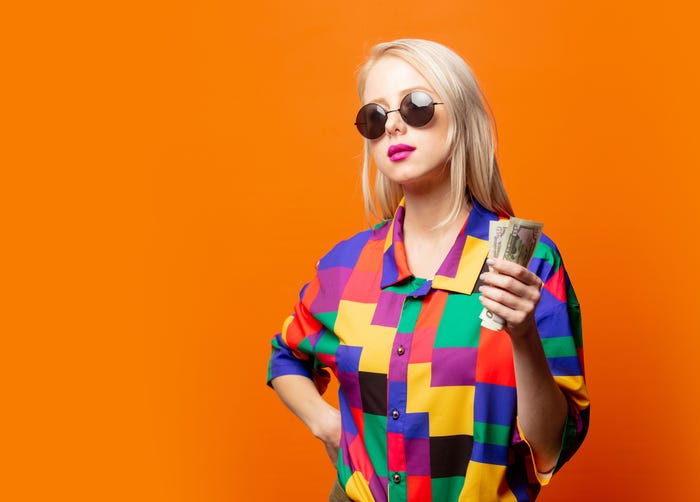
(399,152)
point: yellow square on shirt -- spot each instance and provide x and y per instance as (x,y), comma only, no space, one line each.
(354,327)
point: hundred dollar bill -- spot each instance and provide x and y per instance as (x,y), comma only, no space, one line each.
(516,243)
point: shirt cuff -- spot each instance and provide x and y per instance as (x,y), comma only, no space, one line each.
(542,477)
(288,369)
(572,426)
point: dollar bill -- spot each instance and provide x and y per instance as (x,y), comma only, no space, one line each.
(497,230)
(520,241)
(512,240)
(491,321)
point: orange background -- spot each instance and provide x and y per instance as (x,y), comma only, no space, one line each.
(171,172)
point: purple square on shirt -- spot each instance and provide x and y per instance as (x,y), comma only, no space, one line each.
(388,311)
(450,265)
(418,457)
(378,487)
(453,366)
(350,386)
(332,283)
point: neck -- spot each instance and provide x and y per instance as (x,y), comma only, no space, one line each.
(426,208)
(426,244)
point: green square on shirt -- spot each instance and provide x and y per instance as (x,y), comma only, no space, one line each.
(447,489)
(493,433)
(398,491)
(560,346)
(327,343)
(409,315)
(327,319)
(574,311)
(305,346)
(407,286)
(375,441)
(457,327)
(547,254)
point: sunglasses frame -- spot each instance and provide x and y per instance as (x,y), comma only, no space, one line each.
(405,116)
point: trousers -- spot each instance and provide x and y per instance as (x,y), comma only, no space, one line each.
(338,494)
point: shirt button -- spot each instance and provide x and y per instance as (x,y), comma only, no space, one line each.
(400,350)
(395,414)
(396,477)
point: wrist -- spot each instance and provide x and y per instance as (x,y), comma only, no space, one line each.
(527,338)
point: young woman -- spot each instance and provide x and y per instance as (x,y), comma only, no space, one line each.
(432,405)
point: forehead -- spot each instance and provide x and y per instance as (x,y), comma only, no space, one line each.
(390,78)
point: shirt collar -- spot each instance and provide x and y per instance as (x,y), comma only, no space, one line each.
(462,265)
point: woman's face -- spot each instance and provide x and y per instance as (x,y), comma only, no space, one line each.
(414,157)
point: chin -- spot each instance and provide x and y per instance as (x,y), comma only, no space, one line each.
(414,177)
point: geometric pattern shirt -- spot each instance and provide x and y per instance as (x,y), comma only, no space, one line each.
(428,396)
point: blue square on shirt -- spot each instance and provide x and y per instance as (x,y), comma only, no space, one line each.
(416,425)
(494,404)
(347,358)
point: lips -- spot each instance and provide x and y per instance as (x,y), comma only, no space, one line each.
(399,152)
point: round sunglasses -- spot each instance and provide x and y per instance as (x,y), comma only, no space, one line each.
(416,109)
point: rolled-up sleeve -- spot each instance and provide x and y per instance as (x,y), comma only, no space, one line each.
(293,348)
(559,323)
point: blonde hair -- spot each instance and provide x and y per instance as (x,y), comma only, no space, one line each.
(473,166)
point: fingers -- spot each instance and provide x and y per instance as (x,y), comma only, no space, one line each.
(510,299)
(512,292)
(515,271)
(507,289)
(509,283)
(513,317)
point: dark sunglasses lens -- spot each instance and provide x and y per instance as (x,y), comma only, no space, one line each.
(417,108)
(370,121)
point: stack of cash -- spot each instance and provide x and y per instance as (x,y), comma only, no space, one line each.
(511,240)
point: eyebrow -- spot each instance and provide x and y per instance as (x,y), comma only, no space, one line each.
(404,93)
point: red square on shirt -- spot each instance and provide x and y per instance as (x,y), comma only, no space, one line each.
(494,364)
(419,488)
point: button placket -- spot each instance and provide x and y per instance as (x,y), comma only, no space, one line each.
(398,373)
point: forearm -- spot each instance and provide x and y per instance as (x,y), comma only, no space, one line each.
(300,395)
(542,407)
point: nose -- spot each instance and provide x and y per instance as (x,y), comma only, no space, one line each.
(394,123)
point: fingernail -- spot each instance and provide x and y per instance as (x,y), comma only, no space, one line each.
(481,288)
(482,276)
(490,261)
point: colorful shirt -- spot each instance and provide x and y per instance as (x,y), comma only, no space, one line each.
(427,396)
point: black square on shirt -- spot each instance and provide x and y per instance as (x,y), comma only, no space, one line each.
(373,392)
(449,455)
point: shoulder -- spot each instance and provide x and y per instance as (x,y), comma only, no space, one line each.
(347,252)
(548,264)
(548,251)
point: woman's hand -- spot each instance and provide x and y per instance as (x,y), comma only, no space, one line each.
(512,292)
(301,396)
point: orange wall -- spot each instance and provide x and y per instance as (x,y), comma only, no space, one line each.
(172,173)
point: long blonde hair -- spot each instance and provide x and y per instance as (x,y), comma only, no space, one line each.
(473,166)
